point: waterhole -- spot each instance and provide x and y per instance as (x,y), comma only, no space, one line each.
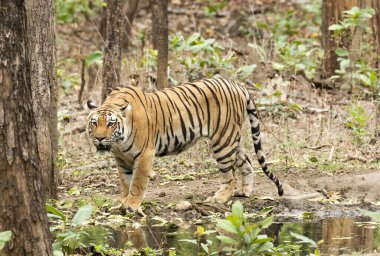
(335,236)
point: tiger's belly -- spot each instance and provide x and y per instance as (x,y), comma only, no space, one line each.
(175,147)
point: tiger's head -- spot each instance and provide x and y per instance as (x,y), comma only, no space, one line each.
(105,126)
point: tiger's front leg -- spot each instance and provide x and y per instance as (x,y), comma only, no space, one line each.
(139,182)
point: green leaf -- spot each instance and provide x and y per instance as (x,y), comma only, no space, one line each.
(94,57)
(82,215)
(227,226)
(265,247)
(227,240)
(5,237)
(374,215)
(245,71)
(313,159)
(304,239)
(341,52)
(238,209)
(204,247)
(267,222)
(193,241)
(335,27)
(55,212)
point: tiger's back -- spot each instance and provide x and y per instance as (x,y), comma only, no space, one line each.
(169,121)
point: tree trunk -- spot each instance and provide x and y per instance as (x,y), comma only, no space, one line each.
(160,33)
(41,45)
(375,24)
(112,56)
(130,9)
(22,208)
(331,14)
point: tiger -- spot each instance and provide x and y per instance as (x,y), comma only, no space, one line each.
(137,126)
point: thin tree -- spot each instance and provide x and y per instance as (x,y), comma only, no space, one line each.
(42,56)
(332,12)
(160,33)
(22,196)
(112,51)
(130,9)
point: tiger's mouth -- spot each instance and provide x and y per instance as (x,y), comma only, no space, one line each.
(103,148)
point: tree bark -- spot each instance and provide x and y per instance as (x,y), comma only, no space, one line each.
(22,204)
(130,9)
(112,51)
(331,14)
(160,33)
(42,57)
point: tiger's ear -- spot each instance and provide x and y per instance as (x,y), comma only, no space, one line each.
(91,104)
(126,107)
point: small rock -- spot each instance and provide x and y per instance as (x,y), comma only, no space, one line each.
(162,194)
(183,206)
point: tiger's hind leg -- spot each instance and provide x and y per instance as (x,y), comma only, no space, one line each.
(244,175)
(226,159)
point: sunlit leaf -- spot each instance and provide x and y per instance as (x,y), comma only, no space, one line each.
(82,215)
(5,237)
(55,212)
(227,226)
(374,215)
(304,239)
(227,240)
(336,27)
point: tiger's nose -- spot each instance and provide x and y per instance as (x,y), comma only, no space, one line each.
(100,138)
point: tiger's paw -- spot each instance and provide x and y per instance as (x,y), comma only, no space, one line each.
(239,193)
(131,204)
(242,193)
(217,199)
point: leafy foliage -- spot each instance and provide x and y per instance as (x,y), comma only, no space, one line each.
(5,237)
(245,238)
(73,235)
(70,11)
(359,70)
(357,120)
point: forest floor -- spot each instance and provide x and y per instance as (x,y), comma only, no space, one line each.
(324,166)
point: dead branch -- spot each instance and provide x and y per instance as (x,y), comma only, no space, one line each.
(83,83)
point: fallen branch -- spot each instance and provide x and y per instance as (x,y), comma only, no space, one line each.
(317,147)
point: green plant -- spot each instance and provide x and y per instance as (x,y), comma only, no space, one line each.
(70,11)
(298,56)
(244,238)
(5,237)
(354,20)
(373,215)
(75,235)
(306,240)
(201,241)
(357,120)
(213,7)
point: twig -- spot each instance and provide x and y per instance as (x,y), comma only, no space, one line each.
(323,192)
(83,83)
(317,147)
(331,153)
(359,158)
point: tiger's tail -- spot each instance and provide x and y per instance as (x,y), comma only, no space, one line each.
(255,129)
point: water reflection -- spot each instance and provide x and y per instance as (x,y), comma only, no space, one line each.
(339,236)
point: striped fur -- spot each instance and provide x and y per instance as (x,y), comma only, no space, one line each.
(138,126)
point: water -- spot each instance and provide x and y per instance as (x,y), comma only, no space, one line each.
(337,236)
